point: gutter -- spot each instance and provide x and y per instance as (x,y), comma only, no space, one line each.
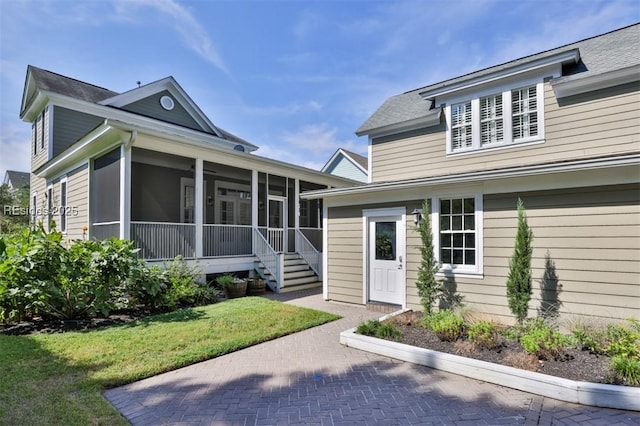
(474,177)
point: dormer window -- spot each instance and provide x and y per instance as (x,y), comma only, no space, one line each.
(499,118)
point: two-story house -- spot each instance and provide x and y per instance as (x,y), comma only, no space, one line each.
(559,129)
(148,165)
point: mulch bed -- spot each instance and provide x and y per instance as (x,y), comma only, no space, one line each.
(575,364)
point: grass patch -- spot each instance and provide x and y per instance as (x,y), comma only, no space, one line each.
(58,378)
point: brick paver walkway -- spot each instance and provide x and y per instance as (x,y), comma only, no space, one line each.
(309,378)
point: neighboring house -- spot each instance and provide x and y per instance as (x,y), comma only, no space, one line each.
(348,164)
(559,129)
(149,166)
(16,180)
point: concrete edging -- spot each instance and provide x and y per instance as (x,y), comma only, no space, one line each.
(586,393)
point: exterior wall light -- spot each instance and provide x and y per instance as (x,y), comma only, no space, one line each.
(417,216)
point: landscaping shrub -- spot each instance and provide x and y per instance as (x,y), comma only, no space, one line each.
(624,341)
(543,341)
(484,334)
(626,369)
(519,276)
(378,329)
(30,263)
(446,324)
(429,288)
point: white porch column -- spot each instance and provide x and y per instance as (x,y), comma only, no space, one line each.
(296,208)
(254,206)
(125,191)
(199,205)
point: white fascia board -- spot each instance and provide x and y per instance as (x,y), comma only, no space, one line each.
(563,87)
(474,177)
(85,148)
(332,159)
(560,58)
(335,156)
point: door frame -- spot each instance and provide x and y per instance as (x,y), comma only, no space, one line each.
(285,217)
(369,216)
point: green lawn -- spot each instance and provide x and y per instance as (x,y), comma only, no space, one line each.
(57,379)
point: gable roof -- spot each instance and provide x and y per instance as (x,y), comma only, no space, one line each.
(358,160)
(16,179)
(39,80)
(595,56)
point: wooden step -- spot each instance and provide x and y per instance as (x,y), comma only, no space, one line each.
(300,287)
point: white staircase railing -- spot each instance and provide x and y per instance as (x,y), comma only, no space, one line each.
(309,253)
(273,261)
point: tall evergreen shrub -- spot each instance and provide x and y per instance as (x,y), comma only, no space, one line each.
(519,277)
(429,288)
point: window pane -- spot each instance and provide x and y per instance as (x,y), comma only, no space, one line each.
(445,240)
(469,205)
(458,257)
(456,206)
(470,240)
(385,240)
(470,257)
(456,223)
(445,255)
(457,240)
(445,223)
(445,206)
(469,222)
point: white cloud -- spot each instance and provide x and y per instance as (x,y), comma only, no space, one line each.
(193,34)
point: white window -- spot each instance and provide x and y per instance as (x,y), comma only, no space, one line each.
(50,222)
(491,122)
(33,139)
(457,225)
(42,131)
(496,118)
(63,205)
(34,209)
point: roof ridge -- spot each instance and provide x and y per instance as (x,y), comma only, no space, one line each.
(71,78)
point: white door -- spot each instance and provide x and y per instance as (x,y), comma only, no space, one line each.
(386,260)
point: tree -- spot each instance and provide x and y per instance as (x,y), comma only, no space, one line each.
(429,288)
(14,208)
(519,278)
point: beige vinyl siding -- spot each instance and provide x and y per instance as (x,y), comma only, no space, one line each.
(38,186)
(42,155)
(78,200)
(589,238)
(344,254)
(602,122)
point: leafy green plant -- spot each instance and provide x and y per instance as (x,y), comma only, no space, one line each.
(626,369)
(519,276)
(543,341)
(382,330)
(624,341)
(429,288)
(484,334)
(446,324)
(226,280)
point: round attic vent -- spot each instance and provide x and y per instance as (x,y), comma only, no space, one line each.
(167,103)
(239,148)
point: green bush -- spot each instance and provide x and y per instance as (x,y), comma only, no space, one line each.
(614,339)
(446,324)
(484,334)
(30,263)
(626,369)
(519,276)
(543,341)
(378,329)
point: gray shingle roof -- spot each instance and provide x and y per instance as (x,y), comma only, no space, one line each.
(362,161)
(56,83)
(17,179)
(598,55)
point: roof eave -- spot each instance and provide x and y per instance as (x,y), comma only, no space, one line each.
(564,87)
(474,177)
(429,120)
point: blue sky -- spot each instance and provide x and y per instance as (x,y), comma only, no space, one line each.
(295,78)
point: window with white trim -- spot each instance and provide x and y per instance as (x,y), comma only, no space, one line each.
(49,208)
(33,139)
(498,118)
(63,205)
(42,131)
(457,224)
(34,209)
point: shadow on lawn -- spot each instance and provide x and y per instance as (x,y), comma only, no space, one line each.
(185,314)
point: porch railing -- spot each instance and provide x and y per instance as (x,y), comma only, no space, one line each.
(160,240)
(274,236)
(272,260)
(105,230)
(314,236)
(226,240)
(309,253)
